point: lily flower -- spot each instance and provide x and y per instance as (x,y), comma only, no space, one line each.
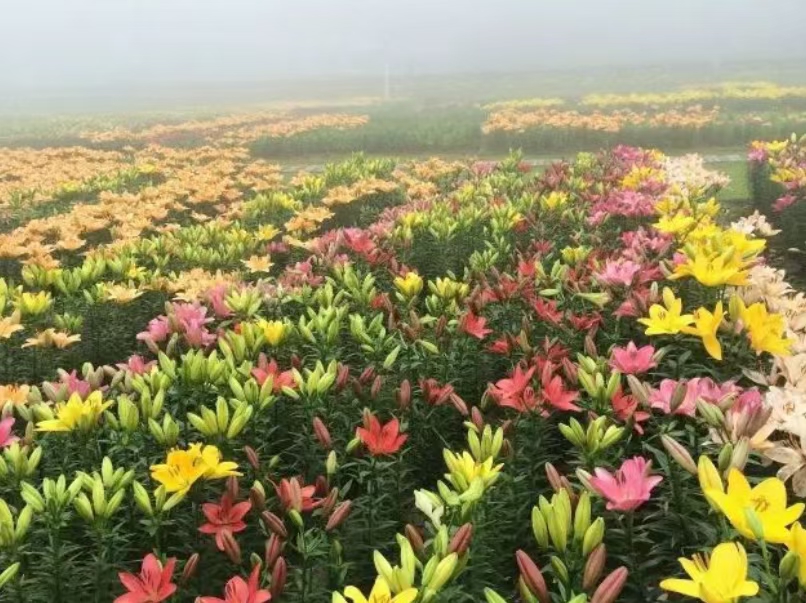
(723,579)
(381,439)
(706,325)
(152,585)
(667,319)
(224,517)
(767,502)
(380,594)
(632,360)
(629,488)
(239,590)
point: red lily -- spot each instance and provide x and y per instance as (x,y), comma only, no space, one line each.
(547,310)
(512,391)
(436,394)
(381,439)
(626,408)
(269,368)
(554,392)
(475,325)
(224,518)
(294,496)
(500,346)
(239,590)
(152,585)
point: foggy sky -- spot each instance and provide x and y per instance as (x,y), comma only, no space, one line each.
(53,44)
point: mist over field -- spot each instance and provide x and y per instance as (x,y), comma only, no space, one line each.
(108,49)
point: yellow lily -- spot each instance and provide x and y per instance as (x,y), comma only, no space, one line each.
(464,469)
(722,580)
(765,505)
(706,325)
(766,331)
(76,414)
(677,224)
(667,319)
(380,594)
(410,285)
(274,331)
(713,271)
(183,468)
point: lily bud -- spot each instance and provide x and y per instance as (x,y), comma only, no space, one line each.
(339,516)
(414,537)
(367,375)
(404,395)
(594,567)
(232,487)
(461,540)
(377,383)
(554,477)
(593,536)
(740,453)
(476,418)
(274,548)
(278,577)
(274,524)
(678,396)
(532,576)
(329,503)
(342,377)
(322,433)
(190,569)
(679,453)
(788,568)
(252,457)
(231,547)
(611,586)
(257,496)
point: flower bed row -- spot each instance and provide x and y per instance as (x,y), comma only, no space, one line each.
(485,382)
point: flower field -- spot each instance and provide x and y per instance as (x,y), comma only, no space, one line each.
(393,382)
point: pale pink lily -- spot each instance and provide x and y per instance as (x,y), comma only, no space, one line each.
(632,360)
(627,489)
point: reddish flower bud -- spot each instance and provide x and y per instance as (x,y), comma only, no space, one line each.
(231,547)
(278,577)
(274,548)
(404,395)
(322,433)
(458,404)
(274,524)
(439,329)
(377,383)
(367,375)
(339,515)
(611,586)
(554,477)
(358,389)
(252,457)
(190,569)
(461,540)
(590,347)
(532,576)
(594,567)
(415,538)
(477,418)
(329,502)
(571,371)
(322,487)
(296,362)
(342,377)
(232,487)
